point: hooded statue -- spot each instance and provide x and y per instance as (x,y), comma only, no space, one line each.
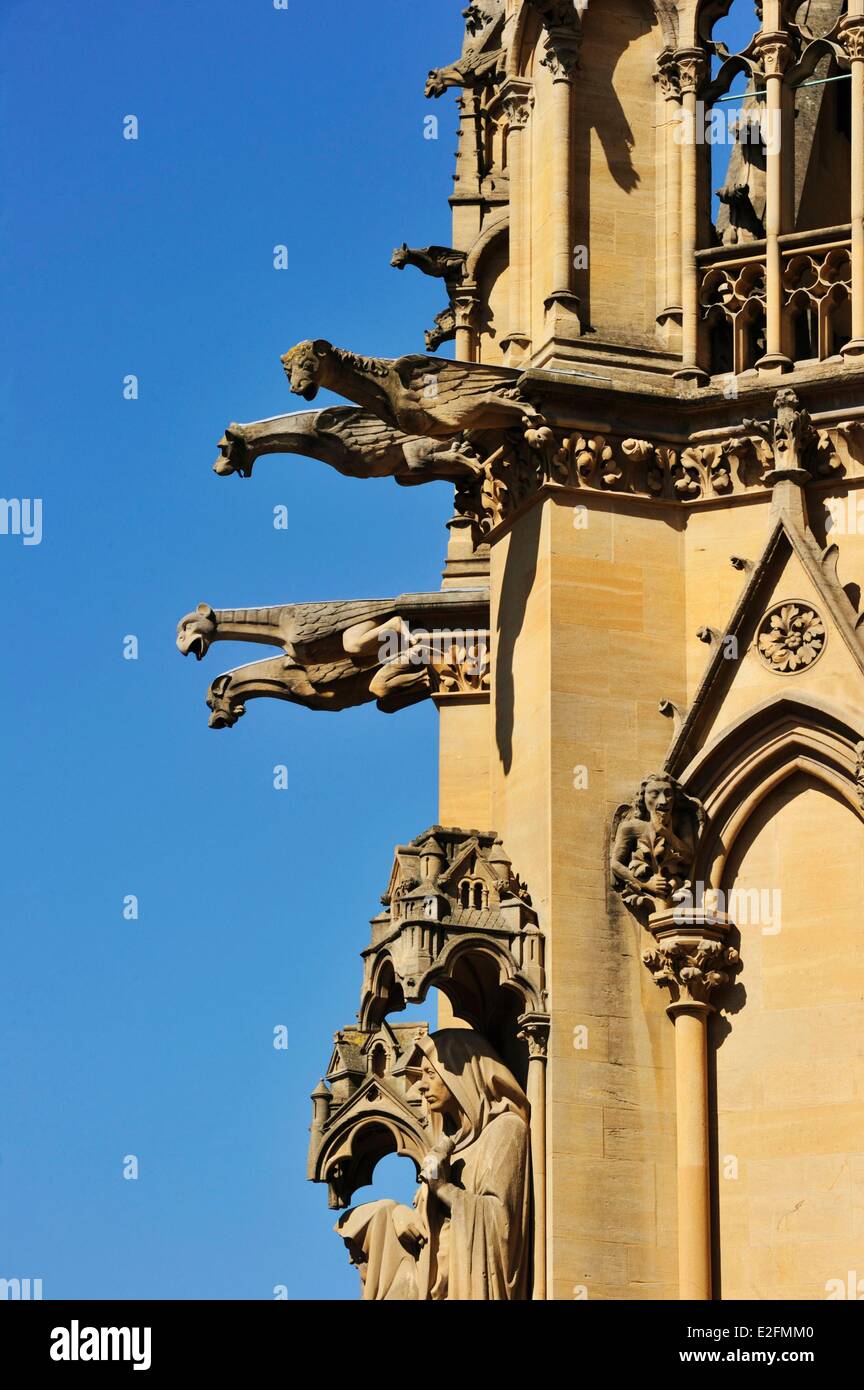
(467,1235)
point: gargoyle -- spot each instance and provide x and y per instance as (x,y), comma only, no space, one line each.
(335,687)
(338,654)
(355,443)
(418,395)
(441,262)
(444,330)
(480,64)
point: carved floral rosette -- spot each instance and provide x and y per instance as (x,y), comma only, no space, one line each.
(791,638)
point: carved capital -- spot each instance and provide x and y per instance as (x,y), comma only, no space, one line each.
(518,101)
(773,53)
(668,76)
(690,956)
(561,53)
(851,36)
(466,307)
(534,1029)
(692,65)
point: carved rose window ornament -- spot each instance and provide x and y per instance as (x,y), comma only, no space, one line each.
(791,637)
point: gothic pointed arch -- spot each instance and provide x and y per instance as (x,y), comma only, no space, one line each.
(758,752)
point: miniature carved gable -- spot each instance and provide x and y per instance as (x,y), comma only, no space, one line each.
(471,880)
(794,627)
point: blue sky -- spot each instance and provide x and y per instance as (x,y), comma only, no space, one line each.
(153,1037)
(155,257)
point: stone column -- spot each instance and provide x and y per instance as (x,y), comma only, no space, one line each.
(466,307)
(694,1170)
(517,100)
(561,57)
(774,53)
(534,1029)
(668,78)
(692,69)
(852,39)
(688,955)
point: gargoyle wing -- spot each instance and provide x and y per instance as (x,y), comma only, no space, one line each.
(462,395)
(372,448)
(314,623)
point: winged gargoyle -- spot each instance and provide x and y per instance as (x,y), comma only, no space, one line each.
(441,262)
(355,443)
(334,655)
(416,394)
(444,330)
(445,264)
(483,57)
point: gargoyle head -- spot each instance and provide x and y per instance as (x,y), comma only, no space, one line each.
(225,708)
(302,366)
(233,454)
(399,259)
(435,83)
(195,632)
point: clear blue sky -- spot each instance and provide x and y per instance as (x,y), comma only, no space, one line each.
(154,257)
(154,1038)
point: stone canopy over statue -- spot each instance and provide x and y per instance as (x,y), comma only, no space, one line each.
(467,1235)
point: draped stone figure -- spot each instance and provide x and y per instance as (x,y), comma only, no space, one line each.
(467,1236)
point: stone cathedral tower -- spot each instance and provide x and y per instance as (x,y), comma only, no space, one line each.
(641,905)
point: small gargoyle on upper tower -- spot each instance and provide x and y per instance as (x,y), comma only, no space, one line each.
(482,59)
(441,262)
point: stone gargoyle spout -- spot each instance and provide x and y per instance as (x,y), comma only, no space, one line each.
(345,653)
(354,442)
